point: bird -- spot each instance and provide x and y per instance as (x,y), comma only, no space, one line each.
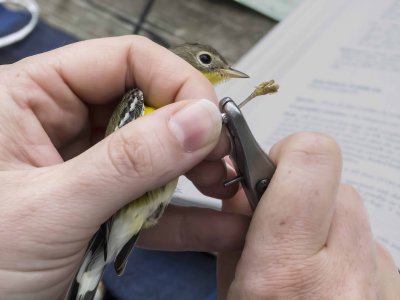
(115,239)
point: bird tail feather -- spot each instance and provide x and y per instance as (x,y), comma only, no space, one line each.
(89,275)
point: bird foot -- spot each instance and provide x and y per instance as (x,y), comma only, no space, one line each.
(264,88)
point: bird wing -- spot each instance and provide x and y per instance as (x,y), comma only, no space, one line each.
(122,258)
(87,279)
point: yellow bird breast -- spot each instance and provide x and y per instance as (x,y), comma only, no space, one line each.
(148,109)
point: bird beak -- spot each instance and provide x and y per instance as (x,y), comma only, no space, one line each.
(232,73)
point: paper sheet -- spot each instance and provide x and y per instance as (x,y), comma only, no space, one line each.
(276,9)
(338,65)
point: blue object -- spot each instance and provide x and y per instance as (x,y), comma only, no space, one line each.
(212,296)
(11,21)
(163,275)
(42,38)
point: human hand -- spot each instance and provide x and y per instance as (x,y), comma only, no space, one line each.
(59,182)
(309,237)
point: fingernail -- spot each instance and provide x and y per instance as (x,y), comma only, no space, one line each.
(196,125)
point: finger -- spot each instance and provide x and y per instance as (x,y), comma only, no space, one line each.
(219,191)
(139,157)
(101,70)
(350,243)
(238,202)
(386,260)
(223,147)
(208,173)
(295,212)
(98,72)
(209,176)
(196,229)
(350,232)
(388,274)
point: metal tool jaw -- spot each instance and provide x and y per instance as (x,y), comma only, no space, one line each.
(253,166)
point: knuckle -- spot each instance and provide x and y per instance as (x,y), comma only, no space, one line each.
(314,146)
(131,155)
(350,204)
(266,287)
(141,38)
(346,188)
(315,143)
(135,39)
(285,281)
(350,198)
(246,289)
(384,254)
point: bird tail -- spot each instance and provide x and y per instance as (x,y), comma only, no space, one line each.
(89,275)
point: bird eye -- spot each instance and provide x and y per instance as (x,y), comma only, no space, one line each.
(205,58)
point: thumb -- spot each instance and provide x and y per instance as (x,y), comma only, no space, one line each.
(139,157)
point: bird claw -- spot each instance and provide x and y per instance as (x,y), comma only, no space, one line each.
(264,88)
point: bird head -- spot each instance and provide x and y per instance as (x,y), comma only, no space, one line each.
(208,61)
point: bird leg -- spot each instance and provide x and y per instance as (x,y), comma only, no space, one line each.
(264,88)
